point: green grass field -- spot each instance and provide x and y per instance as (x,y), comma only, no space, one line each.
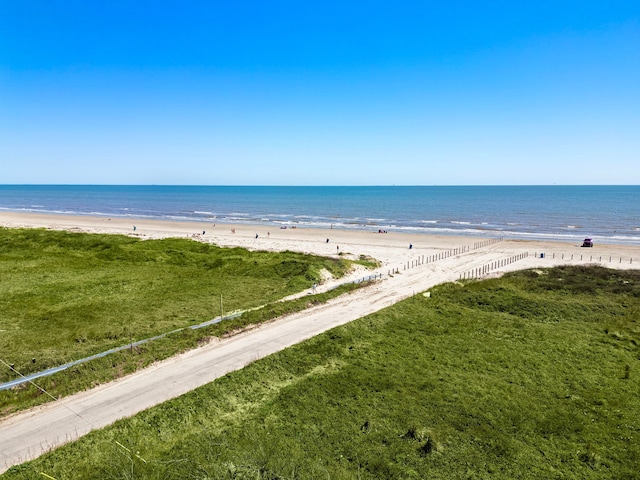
(533,375)
(65,296)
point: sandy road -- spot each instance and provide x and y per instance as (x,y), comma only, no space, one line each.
(27,435)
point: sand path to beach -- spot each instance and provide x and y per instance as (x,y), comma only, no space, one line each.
(27,435)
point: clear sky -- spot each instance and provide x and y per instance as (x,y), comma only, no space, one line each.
(298,92)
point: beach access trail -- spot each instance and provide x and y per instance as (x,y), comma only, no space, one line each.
(25,436)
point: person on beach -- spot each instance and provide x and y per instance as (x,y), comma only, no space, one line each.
(314,287)
(327,240)
(256,235)
(410,246)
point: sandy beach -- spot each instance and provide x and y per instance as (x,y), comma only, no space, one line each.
(392,249)
(404,271)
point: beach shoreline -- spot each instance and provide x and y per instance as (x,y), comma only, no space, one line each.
(389,248)
(554,213)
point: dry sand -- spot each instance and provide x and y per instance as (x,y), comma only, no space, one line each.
(392,248)
(432,260)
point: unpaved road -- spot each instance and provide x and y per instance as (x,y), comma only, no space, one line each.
(27,435)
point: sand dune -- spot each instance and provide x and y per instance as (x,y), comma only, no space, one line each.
(431,260)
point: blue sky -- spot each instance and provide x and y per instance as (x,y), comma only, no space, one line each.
(320,93)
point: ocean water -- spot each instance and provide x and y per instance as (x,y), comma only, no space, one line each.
(609,214)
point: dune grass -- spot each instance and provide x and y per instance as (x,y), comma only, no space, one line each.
(65,296)
(533,375)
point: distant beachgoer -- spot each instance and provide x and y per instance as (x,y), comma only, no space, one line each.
(256,235)
(134,228)
(410,246)
(327,240)
(314,287)
(268,234)
(337,248)
(233,230)
(203,232)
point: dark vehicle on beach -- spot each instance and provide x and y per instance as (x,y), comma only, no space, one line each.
(587,242)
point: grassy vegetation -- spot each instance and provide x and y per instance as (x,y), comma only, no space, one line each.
(533,375)
(66,296)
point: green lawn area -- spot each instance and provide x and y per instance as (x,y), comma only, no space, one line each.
(533,375)
(65,296)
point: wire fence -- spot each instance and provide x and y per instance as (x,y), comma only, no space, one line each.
(583,258)
(491,266)
(452,252)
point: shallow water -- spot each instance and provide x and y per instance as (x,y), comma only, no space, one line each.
(570,213)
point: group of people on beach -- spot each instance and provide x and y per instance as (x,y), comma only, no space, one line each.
(233,230)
